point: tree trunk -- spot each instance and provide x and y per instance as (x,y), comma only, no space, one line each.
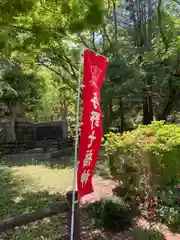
(107,119)
(64,112)
(115,21)
(173,98)
(11,130)
(168,108)
(122,117)
(141,14)
(147,110)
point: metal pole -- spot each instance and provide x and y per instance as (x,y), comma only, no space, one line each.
(76,144)
(77,229)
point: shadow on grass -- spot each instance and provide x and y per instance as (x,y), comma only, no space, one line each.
(53,228)
(60,163)
(147,234)
(13,202)
(29,201)
(9,190)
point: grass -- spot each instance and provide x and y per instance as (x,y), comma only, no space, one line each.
(27,186)
(30,186)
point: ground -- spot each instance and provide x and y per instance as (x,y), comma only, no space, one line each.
(27,186)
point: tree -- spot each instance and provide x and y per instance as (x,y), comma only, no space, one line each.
(142,77)
(19,90)
(35,36)
(57,101)
(155,73)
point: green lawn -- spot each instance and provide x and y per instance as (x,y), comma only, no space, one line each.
(26,186)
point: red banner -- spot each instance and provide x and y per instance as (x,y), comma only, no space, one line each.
(91,128)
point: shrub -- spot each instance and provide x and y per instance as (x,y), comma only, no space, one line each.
(110,213)
(168,209)
(169,215)
(147,234)
(146,157)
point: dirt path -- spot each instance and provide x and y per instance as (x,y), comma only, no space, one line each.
(102,188)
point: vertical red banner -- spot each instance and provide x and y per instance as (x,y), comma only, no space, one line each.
(91,128)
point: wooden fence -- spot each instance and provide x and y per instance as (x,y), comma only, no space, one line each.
(54,209)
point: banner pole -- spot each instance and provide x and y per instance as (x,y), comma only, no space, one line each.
(76,143)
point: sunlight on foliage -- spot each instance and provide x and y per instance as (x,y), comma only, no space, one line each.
(153,147)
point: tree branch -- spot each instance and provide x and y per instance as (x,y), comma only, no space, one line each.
(93,41)
(48,9)
(104,29)
(82,40)
(163,36)
(58,73)
(66,60)
(71,65)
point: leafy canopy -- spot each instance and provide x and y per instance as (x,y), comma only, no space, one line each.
(19,86)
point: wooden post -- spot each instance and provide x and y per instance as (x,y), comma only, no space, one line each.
(76,217)
(24,219)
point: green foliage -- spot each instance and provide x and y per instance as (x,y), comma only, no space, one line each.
(168,209)
(18,86)
(56,99)
(72,126)
(110,213)
(11,9)
(148,234)
(50,16)
(146,160)
(50,32)
(148,155)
